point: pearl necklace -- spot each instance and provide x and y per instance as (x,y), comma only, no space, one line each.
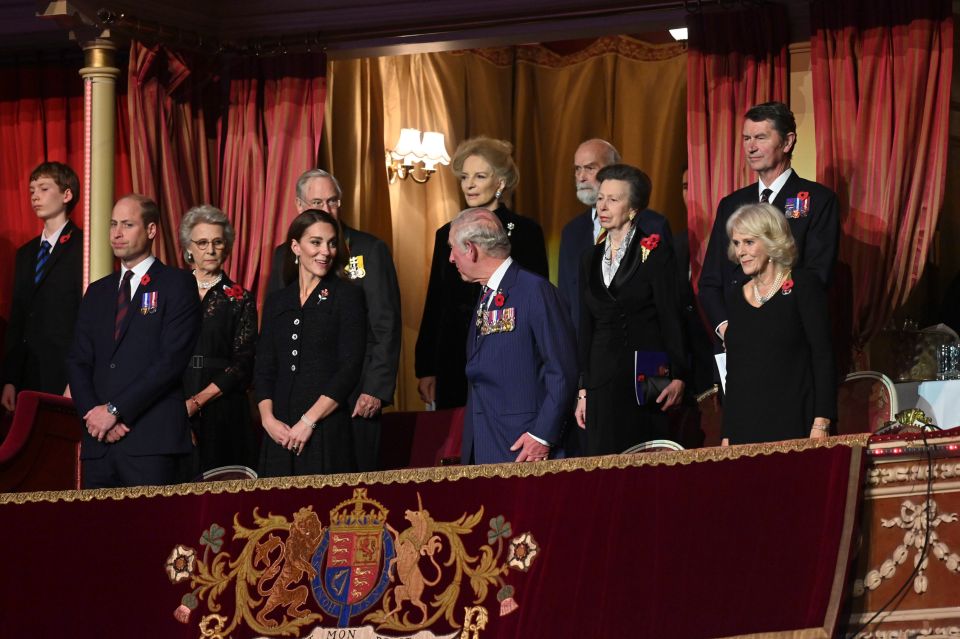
(763,299)
(211,283)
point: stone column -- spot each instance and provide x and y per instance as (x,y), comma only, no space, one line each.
(100,125)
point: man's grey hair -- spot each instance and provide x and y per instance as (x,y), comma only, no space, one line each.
(481,228)
(205,214)
(309,175)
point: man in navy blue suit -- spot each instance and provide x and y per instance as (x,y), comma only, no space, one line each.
(521,350)
(135,334)
(769,136)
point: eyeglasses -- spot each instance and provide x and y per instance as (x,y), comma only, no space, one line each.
(203,245)
(330,203)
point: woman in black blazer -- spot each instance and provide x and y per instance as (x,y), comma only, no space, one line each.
(310,356)
(627,304)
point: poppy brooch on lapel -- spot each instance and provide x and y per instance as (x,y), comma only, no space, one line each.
(65,238)
(787,287)
(647,244)
(235,292)
(145,279)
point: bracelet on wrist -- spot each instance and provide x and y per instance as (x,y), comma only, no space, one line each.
(312,425)
(823,427)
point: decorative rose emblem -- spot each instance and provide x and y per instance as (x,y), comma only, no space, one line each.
(324,294)
(499,300)
(65,238)
(145,279)
(180,563)
(523,550)
(787,287)
(182,614)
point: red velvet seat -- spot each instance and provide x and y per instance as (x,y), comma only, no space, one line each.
(419,439)
(42,449)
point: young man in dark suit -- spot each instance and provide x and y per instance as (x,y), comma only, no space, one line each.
(521,350)
(371,266)
(135,333)
(47,287)
(769,137)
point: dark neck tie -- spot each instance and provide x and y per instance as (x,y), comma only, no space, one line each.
(765,195)
(123,304)
(42,256)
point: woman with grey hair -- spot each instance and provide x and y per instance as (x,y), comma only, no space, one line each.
(781,376)
(220,372)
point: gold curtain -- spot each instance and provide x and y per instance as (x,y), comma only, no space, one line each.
(620,89)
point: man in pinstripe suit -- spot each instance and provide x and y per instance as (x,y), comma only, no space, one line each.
(521,350)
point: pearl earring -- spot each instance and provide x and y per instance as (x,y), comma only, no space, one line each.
(296,259)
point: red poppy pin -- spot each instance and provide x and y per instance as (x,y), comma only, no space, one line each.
(641,378)
(65,238)
(234,292)
(803,195)
(650,242)
(145,279)
(499,300)
(787,287)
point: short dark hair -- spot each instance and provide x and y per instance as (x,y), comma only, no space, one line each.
(297,228)
(63,176)
(778,113)
(640,184)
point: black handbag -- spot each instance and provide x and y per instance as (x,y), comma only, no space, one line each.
(651,371)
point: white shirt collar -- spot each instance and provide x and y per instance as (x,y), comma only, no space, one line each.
(494,282)
(776,186)
(138,272)
(53,237)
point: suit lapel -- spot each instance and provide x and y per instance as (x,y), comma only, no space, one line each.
(508,280)
(68,236)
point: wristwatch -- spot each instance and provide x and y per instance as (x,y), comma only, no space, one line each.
(113,410)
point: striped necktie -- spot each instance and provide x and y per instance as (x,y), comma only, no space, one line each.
(123,304)
(601,236)
(765,195)
(42,256)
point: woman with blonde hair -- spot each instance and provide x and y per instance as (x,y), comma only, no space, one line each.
(487,175)
(781,377)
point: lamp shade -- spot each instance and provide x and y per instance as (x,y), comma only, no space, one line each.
(434,150)
(408,147)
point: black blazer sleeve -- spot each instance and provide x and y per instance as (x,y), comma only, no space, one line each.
(265,366)
(351,342)
(382,293)
(714,262)
(239,373)
(822,240)
(425,357)
(815,317)
(668,313)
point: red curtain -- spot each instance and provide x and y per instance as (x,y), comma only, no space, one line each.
(881,89)
(737,59)
(268,135)
(41,119)
(168,138)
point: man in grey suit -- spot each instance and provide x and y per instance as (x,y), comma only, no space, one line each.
(521,350)
(371,266)
(581,232)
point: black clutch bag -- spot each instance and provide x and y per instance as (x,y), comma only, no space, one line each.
(651,370)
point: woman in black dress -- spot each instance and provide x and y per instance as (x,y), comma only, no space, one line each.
(310,356)
(628,303)
(219,373)
(781,379)
(487,176)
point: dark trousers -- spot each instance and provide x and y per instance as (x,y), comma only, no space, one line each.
(119,470)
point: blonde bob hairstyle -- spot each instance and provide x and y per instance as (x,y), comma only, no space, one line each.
(767,224)
(497,153)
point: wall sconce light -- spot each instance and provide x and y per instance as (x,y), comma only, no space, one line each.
(410,152)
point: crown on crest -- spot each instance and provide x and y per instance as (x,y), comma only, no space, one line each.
(359,511)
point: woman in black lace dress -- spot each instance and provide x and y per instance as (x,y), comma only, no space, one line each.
(220,372)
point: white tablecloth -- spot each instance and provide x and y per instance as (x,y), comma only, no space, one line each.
(939,400)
